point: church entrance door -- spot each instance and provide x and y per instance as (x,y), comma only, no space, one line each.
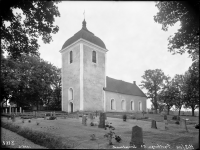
(71,107)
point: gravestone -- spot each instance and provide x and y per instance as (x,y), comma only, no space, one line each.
(20,110)
(84,120)
(13,117)
(153,124)
(136,139)
(183,124)
(102,118)
(166,122)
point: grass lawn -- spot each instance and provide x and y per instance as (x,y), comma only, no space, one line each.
(73,133)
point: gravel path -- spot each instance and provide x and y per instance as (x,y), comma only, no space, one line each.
(13,140)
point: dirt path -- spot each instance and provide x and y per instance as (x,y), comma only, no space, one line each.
(12,140)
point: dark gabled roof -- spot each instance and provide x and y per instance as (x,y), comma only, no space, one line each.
(119,86)
(84,33)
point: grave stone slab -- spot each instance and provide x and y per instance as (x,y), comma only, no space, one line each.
(183,124)
(20,109)
(102,118)
(13,117)
(165,122)
(136,139)
(153,124)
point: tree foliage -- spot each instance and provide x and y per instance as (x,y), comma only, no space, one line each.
(168,94)
(191,90)
(23,22)
(179,83)
(31,81)
(187,37)
(153,82)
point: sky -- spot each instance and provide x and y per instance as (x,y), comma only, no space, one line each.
(135,42)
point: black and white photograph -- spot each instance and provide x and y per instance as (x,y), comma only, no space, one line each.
(100,75)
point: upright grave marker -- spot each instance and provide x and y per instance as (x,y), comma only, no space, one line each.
(183,124)
(20,110)
(137,139)
(166,122)
(153,124)
(102,118)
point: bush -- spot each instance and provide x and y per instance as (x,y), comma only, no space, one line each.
(177,122)
(52,118)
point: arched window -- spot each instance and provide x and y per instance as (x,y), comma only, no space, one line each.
(123,105)
(71,96)
(94,57)
(112,104)
(140,106)
(132,105)
(71,57)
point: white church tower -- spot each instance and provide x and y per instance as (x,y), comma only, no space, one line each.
(83,72)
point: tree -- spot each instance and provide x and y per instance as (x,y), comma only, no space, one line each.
(168,94)
(153,82)
(179,83)
(23,22)
(29,80)
(191,90)
(9,78)
(187,37)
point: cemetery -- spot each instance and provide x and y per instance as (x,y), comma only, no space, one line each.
(98,130)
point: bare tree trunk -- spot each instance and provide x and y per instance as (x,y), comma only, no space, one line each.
(192,110)
(179,111)
(168,108)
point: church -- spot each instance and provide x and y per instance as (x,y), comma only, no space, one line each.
(85,86)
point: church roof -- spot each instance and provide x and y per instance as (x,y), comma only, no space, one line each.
(84,33)
(119,86)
